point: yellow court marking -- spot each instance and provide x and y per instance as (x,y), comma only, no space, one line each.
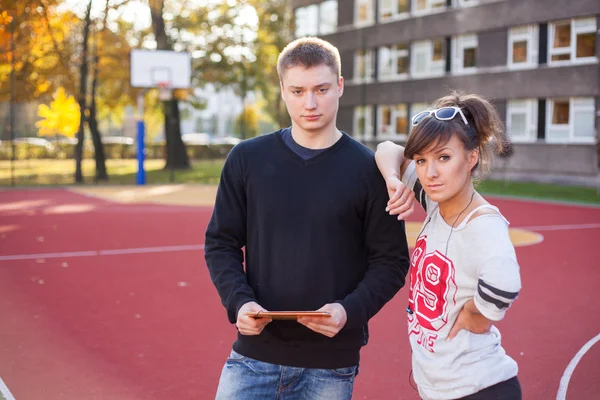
(183,195)
(519,237)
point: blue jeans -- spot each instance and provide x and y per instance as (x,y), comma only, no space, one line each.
(244,378)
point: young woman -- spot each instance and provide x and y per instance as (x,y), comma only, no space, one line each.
(464,272)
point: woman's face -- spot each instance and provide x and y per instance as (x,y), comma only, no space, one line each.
(445,170)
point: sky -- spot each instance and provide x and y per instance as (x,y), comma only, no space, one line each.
(137,11)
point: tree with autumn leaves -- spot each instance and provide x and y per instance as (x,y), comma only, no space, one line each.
(61,117)
(87,55)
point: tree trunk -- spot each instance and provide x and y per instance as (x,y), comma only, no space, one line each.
(99,155)
(101,174)
(176,155)
(83,72)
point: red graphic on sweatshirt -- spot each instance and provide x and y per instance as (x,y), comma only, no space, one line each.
(432,286)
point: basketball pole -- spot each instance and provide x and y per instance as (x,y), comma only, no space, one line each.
(140,177)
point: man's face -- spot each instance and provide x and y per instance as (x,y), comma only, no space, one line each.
(312,97)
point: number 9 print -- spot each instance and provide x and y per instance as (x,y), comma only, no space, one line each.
(432,286)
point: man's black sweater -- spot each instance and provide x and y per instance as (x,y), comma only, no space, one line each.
(315,232)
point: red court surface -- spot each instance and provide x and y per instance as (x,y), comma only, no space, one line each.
(102,300)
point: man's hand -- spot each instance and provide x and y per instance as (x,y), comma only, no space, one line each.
(470,319)
(402,199)
(328,326)
(248,325)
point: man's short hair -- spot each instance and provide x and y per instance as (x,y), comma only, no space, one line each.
(309,52)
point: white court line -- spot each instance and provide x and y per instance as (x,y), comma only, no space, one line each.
(92,253)
(564,381)
(5,392)
(558,227)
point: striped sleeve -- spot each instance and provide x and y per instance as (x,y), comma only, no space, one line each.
(411,180)
(498,287)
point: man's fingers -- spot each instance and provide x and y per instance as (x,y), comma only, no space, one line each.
(252,327)
(326,330)
(253,323)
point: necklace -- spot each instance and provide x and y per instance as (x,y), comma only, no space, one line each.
(452,227)
(453,224)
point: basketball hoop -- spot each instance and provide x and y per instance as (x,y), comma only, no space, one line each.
(164,91)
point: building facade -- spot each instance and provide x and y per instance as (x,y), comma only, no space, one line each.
(537,60)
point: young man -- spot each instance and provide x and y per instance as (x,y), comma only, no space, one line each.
(308,204)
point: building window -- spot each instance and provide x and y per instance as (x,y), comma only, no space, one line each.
(570,120)
(572,41)
(521,120)
(363,124)
(428,58)
(328,13)
(307,20)
(464,3)
(363,12)
(420,7)
(464,49)
(316,19)
(363,66)
(392,121)
(393,62)
(393,9)
(523,46)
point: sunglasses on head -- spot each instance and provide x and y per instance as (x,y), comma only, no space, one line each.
(441,114)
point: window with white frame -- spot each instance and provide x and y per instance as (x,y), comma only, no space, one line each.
(364,11)
(328,13)
(428,58)
(464,54)
(307,20)
(363,124)
(523,46)
(316,19)
(363,66)
(521,120)
(572,41)
(427,6)
(464,3)
(393,9)
(570,120)
(393,62)
(392,121)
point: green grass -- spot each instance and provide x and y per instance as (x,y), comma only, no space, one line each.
(60,172)
(543,191)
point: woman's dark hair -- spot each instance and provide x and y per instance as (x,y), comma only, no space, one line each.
(484,131)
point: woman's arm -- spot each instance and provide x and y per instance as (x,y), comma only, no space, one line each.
(390,160)
(470,319)
(392,165)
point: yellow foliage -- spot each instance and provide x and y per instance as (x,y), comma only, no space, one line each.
(5,18)
(61,118)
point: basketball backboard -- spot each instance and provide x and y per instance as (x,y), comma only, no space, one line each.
(153,68)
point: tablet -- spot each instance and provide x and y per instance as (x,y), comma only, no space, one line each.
(288,314)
